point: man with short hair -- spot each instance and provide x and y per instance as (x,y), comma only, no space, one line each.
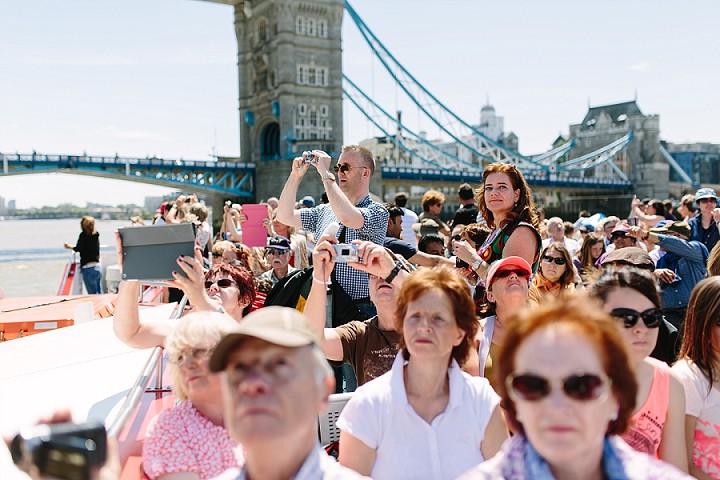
(394,243)
(607,226)
(556,233)
(360,218)
(409,219)
(432,244)
(275,383)
(278,253)
(468,211)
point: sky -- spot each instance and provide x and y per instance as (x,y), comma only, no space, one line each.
(141,77)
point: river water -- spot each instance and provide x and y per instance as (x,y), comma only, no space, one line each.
(32,256)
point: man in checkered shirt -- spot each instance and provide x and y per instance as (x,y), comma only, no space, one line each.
(350,205)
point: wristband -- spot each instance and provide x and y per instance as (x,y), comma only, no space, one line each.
(476,264)
(317,280)
(394,272)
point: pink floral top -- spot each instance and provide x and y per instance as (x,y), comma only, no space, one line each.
(181,439)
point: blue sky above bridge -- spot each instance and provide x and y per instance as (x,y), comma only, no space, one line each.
(138,77)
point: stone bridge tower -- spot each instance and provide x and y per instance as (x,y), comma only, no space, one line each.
(290,85)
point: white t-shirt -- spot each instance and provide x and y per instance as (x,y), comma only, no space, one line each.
(380,415)
(409,218)
(706,407)
(573,246)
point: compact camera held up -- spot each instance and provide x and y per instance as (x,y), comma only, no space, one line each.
(346,252)
(310,157)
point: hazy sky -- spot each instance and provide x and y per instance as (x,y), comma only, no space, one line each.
(159,77)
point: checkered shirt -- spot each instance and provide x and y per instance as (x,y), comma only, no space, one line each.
(354,282)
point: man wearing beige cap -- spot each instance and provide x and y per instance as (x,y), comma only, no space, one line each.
(276,382)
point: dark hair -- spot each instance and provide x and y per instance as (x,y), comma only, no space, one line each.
(394,210)
(456,289)
(657,205)
(429,238)
(569,228)
(571,312)
(523,209)
(243,278)
(478,233)
(465,191)
(639,280)
(568,276)
(401,199)
(688,201)
(703,314)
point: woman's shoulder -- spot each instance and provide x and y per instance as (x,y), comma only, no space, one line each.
(686,369)
(641,466)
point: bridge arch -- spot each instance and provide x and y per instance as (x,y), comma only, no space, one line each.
(270,141)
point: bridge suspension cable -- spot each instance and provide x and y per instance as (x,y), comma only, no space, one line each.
(486,150)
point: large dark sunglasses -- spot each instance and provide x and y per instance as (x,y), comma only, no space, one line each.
(510,271)
(651,317)
(275,251)
(344,168)
(617,235)
(583,387)
(456,237)
(222,283)
(557,260)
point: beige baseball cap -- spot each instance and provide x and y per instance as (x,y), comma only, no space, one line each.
(277,325)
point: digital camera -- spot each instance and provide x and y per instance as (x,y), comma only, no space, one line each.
(310,158)
(346,252)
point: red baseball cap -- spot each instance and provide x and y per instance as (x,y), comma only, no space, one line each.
(507,262)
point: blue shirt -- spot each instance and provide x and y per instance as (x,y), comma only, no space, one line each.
(688,262)
(707,237)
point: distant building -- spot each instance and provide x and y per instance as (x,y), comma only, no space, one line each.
(701,161)
(641,161)
(3,209)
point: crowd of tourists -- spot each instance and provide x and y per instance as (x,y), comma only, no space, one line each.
(493,343)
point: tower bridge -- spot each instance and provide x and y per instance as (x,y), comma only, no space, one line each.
(291,90)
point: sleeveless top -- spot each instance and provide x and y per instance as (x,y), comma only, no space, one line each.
(493,247)
(646,425)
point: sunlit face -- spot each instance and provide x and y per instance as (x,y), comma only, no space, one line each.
(550,269)
(429,327)
(504,288)
(197,381)
(596,250)
(350,180)
(227,297)
(278,258)
(435,208)
(562,430)
(500,197)
(381,291)
(622,240)
(394,226)
(270,392)
(608,228)
(639,339)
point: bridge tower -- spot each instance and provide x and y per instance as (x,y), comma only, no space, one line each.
(290,85)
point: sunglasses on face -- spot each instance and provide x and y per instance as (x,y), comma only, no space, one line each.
(506,273)
(582,387)
(651,317)
(456,237)
(615,236)
(275,251)
(557,260)
(222,283)
(344,168)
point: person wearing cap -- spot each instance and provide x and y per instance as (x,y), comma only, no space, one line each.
(679,270)
(425,418)
(705,226)
(307,202)
(507,292)
(276,382)
(369,346)
(278,254)
(359,217)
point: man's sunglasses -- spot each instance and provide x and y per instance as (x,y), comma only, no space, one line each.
(222,283)
(506,273)
(617,235)
(651,317)
(275,251)
(344,168)
(582,387)
(557,260)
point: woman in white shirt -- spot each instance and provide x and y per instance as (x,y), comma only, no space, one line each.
(698,368)
(425,418)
